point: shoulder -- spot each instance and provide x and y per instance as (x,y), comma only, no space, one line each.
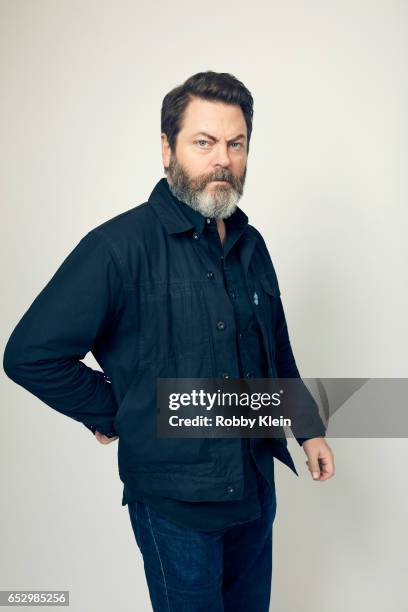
(257,236)
(126,231)
(125,225)
(121,238)
(262,257)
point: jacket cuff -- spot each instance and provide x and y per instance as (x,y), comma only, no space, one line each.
(107,430)
(319,435)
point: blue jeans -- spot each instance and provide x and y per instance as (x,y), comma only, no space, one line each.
(228,570)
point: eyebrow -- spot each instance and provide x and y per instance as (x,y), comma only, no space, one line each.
(239,137)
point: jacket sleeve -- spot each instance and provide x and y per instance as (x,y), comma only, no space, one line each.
(78,305)
(308,417)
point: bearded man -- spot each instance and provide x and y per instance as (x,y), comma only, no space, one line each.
(178,286)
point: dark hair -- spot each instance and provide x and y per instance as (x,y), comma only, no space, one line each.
(208,85)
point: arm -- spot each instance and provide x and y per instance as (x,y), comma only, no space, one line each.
(320,460)
(78,305)
(287,368)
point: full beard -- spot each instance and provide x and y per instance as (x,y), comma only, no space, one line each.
(221,203)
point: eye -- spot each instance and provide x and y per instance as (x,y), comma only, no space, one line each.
(236,143)
(202,140)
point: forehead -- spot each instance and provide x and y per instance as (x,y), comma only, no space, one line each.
(212,115)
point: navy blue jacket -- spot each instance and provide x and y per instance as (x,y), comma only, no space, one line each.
(135,293)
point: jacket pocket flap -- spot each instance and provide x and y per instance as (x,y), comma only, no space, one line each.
(269,283)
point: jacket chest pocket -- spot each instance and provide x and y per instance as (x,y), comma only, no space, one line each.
(173,324)
(269,288)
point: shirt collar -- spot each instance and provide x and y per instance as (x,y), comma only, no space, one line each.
(177,216)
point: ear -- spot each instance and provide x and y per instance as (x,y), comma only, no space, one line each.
(166,151)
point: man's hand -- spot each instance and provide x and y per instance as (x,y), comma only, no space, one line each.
(320,458)
(104,439)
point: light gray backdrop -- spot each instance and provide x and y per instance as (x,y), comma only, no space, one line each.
(82,86)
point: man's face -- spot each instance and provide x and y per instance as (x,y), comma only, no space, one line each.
(208,167)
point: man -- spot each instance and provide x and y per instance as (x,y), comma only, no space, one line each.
(179,286)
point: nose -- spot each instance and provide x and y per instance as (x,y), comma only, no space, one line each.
(221,155)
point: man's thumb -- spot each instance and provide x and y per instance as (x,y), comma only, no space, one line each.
(314,468)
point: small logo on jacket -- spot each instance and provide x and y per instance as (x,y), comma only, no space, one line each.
(256,299)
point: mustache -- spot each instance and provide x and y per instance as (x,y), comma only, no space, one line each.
(223,177)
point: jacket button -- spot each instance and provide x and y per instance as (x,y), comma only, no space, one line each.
(221,325)
(210,274)
(225,375)
(196,236)
(230,489)
(248,374)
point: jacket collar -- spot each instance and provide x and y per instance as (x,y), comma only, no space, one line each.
(177,216)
